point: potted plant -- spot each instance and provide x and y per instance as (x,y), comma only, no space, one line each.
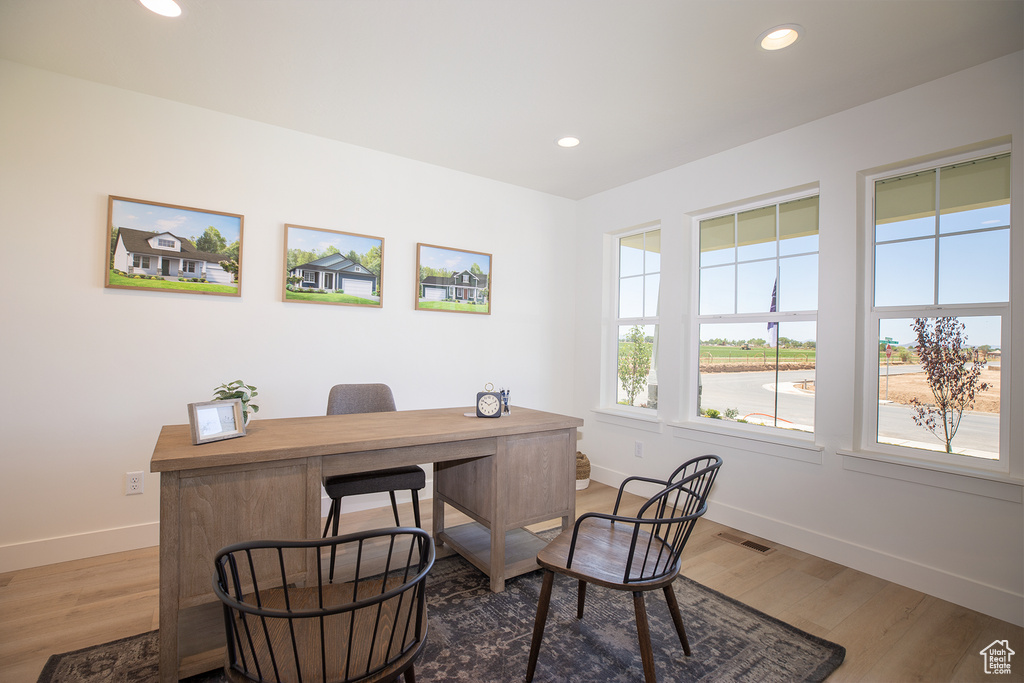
(241,390)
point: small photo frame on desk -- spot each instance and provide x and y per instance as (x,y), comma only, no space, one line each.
(216,420)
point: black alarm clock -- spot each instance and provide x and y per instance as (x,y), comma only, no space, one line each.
(488,402)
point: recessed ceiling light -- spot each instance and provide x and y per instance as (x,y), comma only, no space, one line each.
(779,37)
(165,8)
(568,141)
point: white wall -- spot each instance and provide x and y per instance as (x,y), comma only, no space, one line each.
(84,385)
(90,374)
(956,537)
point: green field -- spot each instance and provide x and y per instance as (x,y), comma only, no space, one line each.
(739,354)
(453,306)
(117,280)
(332,298)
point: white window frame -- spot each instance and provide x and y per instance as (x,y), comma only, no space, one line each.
(691,418)
(866,444)
(610,403)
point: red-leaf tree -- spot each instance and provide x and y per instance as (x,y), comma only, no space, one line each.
(954,376)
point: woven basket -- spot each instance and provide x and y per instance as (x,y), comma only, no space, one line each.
(582,471)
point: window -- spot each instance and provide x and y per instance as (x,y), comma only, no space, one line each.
(140,261)
(636,325)
(165,243)
(309,278)
(940,306)
(757,314)
(188,266)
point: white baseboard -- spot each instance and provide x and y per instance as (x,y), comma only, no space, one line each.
(45,551)
(78,546)
(991,600)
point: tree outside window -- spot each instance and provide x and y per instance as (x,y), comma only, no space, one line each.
(941,302)
(639,283)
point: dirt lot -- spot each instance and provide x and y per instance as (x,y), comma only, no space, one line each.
(902,388)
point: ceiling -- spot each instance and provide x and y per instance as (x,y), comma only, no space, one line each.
(487,86)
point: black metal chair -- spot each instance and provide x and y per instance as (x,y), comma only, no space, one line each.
(281,627)
(346,399)
(636,554)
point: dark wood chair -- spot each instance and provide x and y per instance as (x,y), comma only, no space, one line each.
(281,627)
(368,398)
(630,553)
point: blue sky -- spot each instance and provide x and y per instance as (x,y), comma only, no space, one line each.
(320,240)
(456,261)
(178,222)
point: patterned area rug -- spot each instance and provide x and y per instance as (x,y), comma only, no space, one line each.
(482,637)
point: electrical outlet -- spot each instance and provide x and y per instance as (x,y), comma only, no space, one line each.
(638,449)
(134,483)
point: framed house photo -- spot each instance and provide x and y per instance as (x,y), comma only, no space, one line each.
(332,267)
(216,420)
(452,280)
(170,248)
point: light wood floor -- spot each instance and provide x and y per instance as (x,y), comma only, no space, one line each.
(890,633)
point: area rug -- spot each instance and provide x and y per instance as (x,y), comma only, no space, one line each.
(475,636)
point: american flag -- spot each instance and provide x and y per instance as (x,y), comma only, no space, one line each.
(773,327)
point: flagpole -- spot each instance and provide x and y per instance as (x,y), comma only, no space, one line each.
(773,336)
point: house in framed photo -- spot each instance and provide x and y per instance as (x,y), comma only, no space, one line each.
(337,273)
(139,252)
(463,287)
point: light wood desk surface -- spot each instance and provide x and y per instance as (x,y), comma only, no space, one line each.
(503,473)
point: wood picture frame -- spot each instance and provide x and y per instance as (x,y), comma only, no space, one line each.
(170,248)
(216,420)
(333,267)
(453,280)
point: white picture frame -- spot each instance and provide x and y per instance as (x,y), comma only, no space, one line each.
(216,420)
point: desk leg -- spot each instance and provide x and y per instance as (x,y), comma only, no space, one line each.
(569,520)
(437,517)
(499,513)
(169,584)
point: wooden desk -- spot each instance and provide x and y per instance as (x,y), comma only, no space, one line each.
(504,473)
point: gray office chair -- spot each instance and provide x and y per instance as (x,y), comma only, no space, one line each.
(345,399)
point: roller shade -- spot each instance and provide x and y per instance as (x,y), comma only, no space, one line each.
(905,198)
(717,233)
(975,185)
(798,218)
(756,226)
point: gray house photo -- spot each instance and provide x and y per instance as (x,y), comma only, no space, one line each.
(337,273)
(466,286)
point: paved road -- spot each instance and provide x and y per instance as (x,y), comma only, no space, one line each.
(751,393)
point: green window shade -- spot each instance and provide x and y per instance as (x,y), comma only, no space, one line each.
(906,198)
(717,233)
(756,226)
(798,218)
(652,248)
(975,185)
(652,242)
(631,255)
(755,234)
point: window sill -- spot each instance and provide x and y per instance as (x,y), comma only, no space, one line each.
(798,448)
(988,484)
(646,420)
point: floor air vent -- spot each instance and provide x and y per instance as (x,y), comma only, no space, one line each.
(746,543)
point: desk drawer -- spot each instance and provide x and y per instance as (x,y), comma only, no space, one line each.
(366,461)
